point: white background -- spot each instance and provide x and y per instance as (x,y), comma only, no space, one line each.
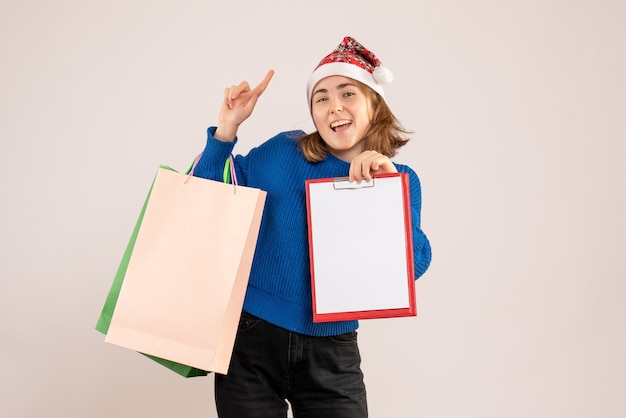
(518,112)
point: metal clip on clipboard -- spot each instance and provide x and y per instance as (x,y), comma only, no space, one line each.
(344,183)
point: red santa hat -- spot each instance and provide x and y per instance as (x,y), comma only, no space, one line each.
(353,60)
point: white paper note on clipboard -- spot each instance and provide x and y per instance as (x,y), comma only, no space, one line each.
(361,249)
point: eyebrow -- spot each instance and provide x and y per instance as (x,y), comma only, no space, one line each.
(339,87)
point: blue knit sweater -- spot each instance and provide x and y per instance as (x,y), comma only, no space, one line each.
(279,288)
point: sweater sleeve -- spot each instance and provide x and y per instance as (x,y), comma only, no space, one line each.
(421,245)
(214,156)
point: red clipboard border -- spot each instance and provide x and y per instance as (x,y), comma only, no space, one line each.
(411,310)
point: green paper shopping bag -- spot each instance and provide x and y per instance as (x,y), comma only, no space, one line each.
(157,299)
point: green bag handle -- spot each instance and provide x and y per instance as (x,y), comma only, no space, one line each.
(229,171)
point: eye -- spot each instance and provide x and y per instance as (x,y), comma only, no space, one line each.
(348,94)
(321,100)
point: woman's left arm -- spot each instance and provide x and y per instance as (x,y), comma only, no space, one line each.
(422,254)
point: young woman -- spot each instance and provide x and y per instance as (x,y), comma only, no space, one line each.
(280,354)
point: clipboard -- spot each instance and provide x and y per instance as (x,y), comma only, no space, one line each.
(361,248)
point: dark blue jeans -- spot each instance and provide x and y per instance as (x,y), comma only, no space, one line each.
(320,376)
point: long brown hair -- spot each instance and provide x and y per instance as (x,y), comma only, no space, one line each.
(385,134)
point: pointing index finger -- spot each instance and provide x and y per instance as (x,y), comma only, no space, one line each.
(263,84)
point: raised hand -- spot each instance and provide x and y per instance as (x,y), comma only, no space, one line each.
(238,104)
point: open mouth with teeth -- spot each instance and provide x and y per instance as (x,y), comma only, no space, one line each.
(340,125)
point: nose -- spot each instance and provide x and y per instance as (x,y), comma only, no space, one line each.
(336,107)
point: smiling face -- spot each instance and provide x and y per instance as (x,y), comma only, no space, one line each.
(342,113)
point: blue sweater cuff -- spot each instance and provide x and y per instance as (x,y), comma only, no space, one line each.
(214,156)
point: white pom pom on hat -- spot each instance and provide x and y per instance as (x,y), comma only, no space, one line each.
(382,75)
(353,60)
